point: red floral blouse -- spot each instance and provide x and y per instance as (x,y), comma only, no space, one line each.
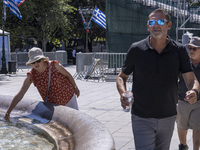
(60,90)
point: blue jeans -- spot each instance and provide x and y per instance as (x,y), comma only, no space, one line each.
(151,133)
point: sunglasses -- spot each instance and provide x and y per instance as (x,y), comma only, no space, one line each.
(159,22)
(38,61)
(193,48)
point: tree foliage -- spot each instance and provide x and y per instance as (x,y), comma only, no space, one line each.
(49,21)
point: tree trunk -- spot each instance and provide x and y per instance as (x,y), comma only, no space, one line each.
(44,45)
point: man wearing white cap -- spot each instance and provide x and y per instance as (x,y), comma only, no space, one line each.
(188,114)
(54,83)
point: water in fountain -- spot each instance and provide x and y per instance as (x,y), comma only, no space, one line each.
(19,135)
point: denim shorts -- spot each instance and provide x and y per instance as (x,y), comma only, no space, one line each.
(188,116)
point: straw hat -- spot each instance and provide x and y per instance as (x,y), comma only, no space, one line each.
(195,42)
(35,54)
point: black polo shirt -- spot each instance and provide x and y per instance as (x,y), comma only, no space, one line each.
(155,77)
(182,89)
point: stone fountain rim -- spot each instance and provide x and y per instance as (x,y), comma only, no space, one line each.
(87,132)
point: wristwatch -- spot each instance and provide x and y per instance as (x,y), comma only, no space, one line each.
(196,91)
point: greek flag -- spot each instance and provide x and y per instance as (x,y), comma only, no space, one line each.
(19,2)
(13,8)
(99,17)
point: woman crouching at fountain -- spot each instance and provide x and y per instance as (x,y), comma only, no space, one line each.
(54,83)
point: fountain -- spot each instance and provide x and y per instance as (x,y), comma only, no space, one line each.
(70,129)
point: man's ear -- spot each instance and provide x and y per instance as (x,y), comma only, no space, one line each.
(169,25)
(147,27)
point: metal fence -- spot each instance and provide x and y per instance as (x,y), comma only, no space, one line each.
(182,8)
(17,61)
(111,62)
(98,66)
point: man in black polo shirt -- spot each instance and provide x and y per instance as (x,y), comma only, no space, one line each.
(155,63)
(189,115)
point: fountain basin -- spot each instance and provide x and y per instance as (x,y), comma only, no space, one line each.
(70,129)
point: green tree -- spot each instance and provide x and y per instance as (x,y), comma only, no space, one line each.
(50,21)
(41,20)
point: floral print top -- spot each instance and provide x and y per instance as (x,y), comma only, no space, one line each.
(60,90)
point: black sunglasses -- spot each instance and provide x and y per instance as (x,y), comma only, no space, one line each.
(38,61)
(192,48)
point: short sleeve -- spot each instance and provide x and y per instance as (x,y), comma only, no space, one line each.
(31,75)
(128,65)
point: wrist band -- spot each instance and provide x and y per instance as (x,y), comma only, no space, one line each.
(196,91)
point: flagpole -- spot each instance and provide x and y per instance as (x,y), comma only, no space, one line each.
(86,49)
(3,69)
(88,13)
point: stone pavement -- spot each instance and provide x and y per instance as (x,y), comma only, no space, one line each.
(97,99)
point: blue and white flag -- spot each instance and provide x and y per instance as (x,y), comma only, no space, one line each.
(99,17)
(19,2)
(13,8)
